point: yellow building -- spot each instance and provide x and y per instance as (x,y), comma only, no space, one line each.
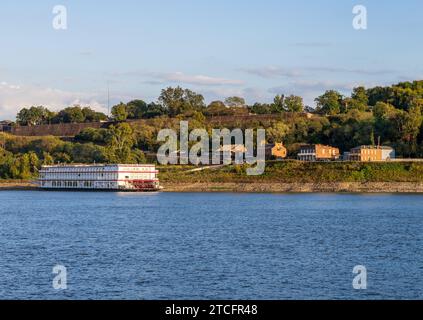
(318,152)
(276,150)
(371,153)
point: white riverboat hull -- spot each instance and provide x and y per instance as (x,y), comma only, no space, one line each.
(116,177)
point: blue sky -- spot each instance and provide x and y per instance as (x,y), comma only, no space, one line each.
(219,48)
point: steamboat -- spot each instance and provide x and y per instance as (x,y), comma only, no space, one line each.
(107,177)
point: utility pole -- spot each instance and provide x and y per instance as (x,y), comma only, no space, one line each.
(108,99)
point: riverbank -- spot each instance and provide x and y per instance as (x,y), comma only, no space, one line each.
(17,185)
(299,177)
(333,187)
(330,187)
(285,177)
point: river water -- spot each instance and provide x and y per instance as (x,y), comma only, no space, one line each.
(209,246)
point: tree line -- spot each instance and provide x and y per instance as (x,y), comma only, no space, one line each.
(41,115)
(391,115)
(22,157)
(178,101)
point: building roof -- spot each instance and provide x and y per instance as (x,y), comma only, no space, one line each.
(373,147)
(272,145)
(317,145)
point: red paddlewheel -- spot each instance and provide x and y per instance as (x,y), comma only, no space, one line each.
(142,185)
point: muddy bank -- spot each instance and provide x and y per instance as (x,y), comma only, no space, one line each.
(335,187)
(17,185)
(346,187)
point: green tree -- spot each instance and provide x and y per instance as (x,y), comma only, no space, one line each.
(34,161)
(88,153)
(145,137)
(261,108)
(279,103)
(179,101)
(120,142)
(401,95)
(138,156)
(329,103)
(24,118)
(155,110)
(360,99)
(92,135)
(92,116)
(217,108)
(388,122)
(6,158)
(42,144)
(120,112)
(277,132)
(34,116)
(412,125)
(294,104)
(47,159)
(24,167)
(63,157)
(71,115)
(383,111)
(137,109)
(235,102)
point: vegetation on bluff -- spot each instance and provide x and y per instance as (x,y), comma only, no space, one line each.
(392,114)
(40,115)
(300,172)
(21,157)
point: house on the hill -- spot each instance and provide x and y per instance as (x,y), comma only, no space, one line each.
(318,152)
(371,153)
(276,151)
(5,126)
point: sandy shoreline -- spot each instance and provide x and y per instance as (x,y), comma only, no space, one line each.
(335,187)
(17,185)
(340,187)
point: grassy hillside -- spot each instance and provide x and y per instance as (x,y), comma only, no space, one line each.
(299,172)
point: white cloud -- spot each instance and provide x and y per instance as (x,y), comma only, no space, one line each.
(180,77)
(359,71)
(272,72)
(303,85)
(250,94)
(310,89)
(156,78)
(279,72)
(6,85)
(14,97)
